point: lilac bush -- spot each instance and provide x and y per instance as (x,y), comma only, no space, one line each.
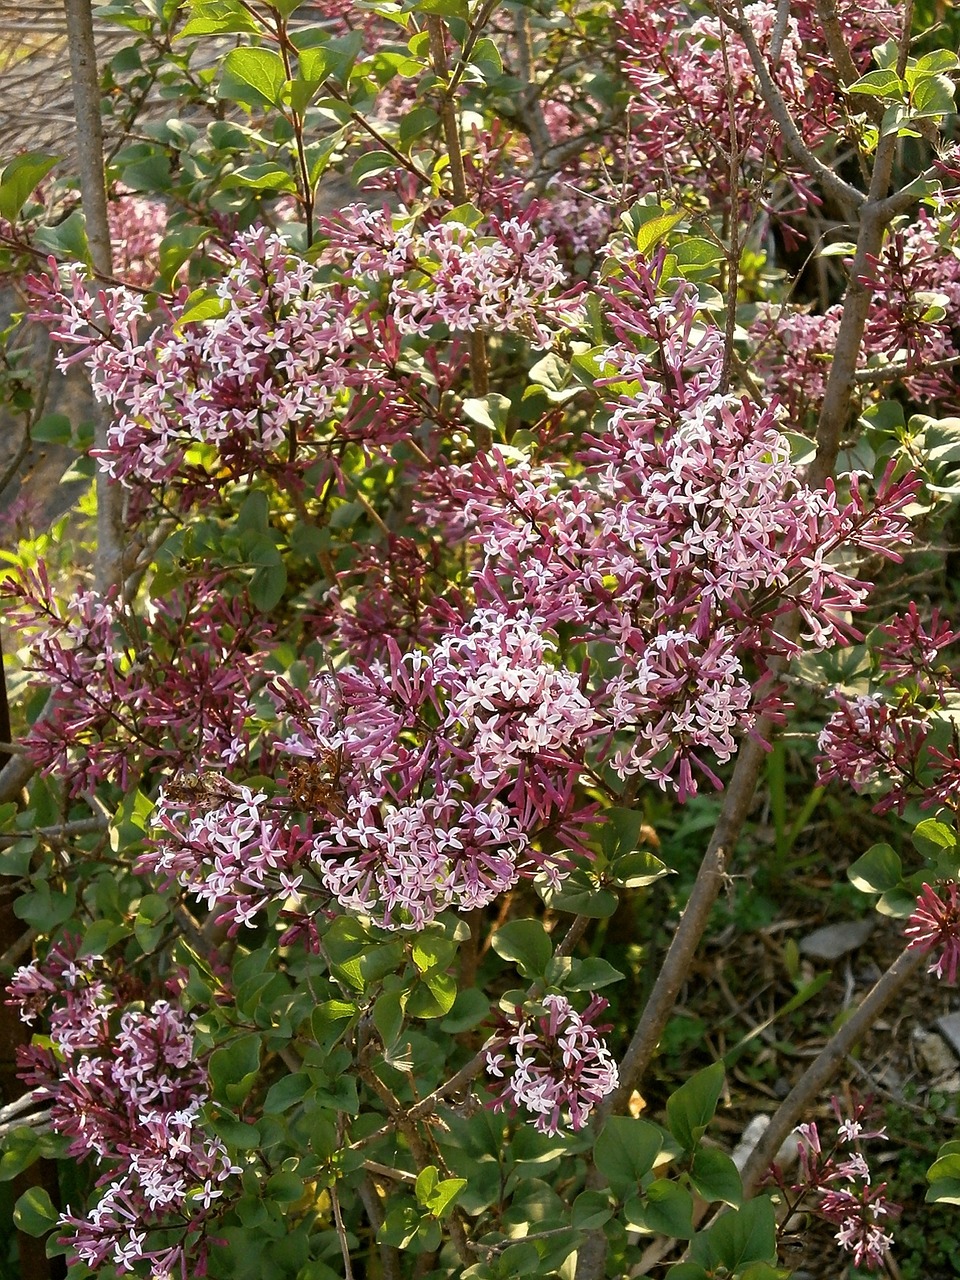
(466,525)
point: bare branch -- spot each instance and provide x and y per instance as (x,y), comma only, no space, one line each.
(833,185)
(823,1068)
(86,99)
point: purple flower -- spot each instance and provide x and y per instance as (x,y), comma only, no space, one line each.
(935,924)
(841,1184)
(554,1065)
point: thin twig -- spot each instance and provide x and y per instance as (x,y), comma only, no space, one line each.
(86,97)
(833,184)
(341,1233)
(18,948)
(479,374)
(821,1071)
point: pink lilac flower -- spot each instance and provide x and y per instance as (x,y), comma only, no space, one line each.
(841,1184)
(449,762)
(935,926)
(137,227)
(497,278)
(684,534)
(866,742)
(126,1088)
(236,855)
(913,648)
(404,864)
(119,703)
(257,381)
(883,740)
(554,1065)
(680,73)
(915,285)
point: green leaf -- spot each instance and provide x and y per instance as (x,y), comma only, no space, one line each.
(943,1191)
(343,53)
(433,995)
(526,943)
(930,63)
(551,373)
(931,837)
(932,96)
(578,895)
(266,176)
(899,903)
(488,411)
(445,8)
(153,918)
(20,179)
(590,975)
(201,305)
(254,513)
(284,1186)
(446,1196)
(217,17)
(591,1209)
(388,1017)
(946,1165)
(877,871)
(437,1195)
(739,1237)
(486,58)
(464,215)
(880,84)
(668,1209)
(469,1010)
(21,1148)
(626,1150)
(315,64)
(373,163)
(693,252)
(621,831)
(52,428)
(267,586)
(242,1136)
(34,1212)
(691,1107)
(286,1092)
(68,238)
(635,870)
(234,1068)
(431,950)
(252,77)
(417,122)
(653,231)
(400,1226)
(716,1177)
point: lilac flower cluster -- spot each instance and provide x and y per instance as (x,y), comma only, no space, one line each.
(915,283)
(886,739)
(137,226)
(282,364)
(127,1089)
(505,279)
(268,366)
(935,926)
(681,74)
(684,535)
(118,703)
(452,759)
(842,1185)
(235,856)
(554,1064)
